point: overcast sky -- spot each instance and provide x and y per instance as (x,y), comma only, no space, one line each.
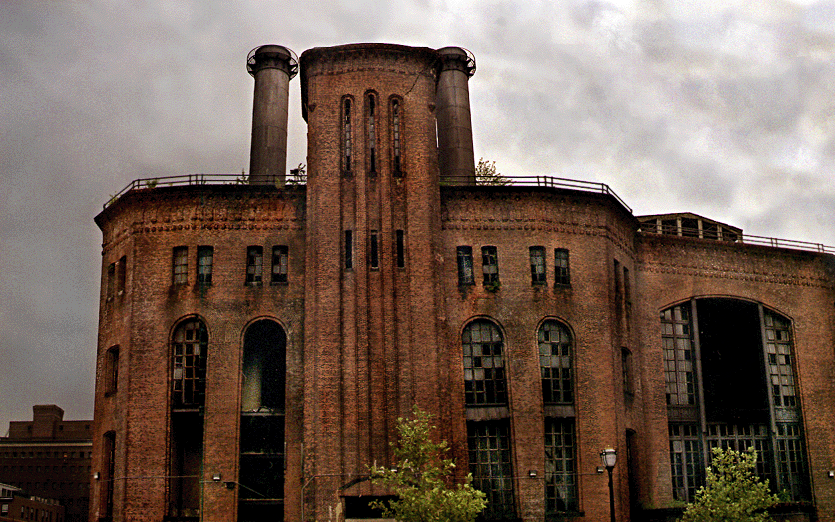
(725,109)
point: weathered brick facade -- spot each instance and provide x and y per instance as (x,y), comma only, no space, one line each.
(376,316)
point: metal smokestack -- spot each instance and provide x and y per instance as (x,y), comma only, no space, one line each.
(455,130)
(272,66)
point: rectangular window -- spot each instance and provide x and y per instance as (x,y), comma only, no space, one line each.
(401,249)
(560,466)
(679,356)
(490,465)
(111,369)
(254,264)
(205,256)
(375,250)
(537,265)
(121,274)
(685,460)
(280,262)
(465,265)
(562,274)
(395,135)
(349,249)
(180,265)
(111,281)
(490,264)
(626,369)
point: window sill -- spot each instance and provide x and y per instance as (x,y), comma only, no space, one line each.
(279,283)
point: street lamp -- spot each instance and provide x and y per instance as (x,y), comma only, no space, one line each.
(609,456)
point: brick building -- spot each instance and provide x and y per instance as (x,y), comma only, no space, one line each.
(49,457)
(15,506)
(259,340)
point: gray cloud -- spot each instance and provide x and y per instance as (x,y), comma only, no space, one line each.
(724,109)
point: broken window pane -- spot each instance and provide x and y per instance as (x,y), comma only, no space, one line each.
(537,255)
(254,264)
(280,264)
(490,264)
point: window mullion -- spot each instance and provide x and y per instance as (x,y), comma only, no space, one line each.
(700,395)
(772,420)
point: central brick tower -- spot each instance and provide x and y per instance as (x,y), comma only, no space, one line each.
(374,339)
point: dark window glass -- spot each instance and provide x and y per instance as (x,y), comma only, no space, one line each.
(560,466)
(401,249)
(484,375)
(111,369)
(372,133)
(349,249)
(491,467)
(121,274)
(562,273)
(111,281)
(465,265)
(490,264)
(395,135)
(375,249)
(280,261)
(346,135)
(188,352)
(254,264)
(537,254)
(205,255)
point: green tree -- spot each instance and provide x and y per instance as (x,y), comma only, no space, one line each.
(422,478)
(485,174)
(733,492)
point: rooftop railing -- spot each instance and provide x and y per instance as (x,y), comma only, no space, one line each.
(195,179)
(732,237)
(538,181)
(521,181)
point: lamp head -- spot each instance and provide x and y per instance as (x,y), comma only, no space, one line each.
(608,456)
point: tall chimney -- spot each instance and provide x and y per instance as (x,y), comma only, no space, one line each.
(455,130)
(272,66)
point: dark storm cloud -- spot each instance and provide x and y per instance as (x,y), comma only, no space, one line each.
(724,109)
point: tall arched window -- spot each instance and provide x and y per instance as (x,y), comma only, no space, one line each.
(347,139)
(262,452)
(484,375)
(730,376)
(396,148)
(188,353)
(189,347)
(556,366)
(371,132)
(488,440)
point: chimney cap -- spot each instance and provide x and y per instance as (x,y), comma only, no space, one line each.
(272,56)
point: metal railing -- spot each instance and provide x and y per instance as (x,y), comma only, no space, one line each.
(733,237)
(195,179)
(537,181)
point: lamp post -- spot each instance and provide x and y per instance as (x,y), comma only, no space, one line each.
(609,457)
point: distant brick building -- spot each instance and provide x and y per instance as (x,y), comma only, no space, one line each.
(16,505)
(49,458)
(259,340)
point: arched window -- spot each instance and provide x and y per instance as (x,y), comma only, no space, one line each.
(555,361)
(730,377)
(188,361)
(371,129)
(347,141)
(395,136)
(556,366)
(263,378)
(484,375)
(189,346)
